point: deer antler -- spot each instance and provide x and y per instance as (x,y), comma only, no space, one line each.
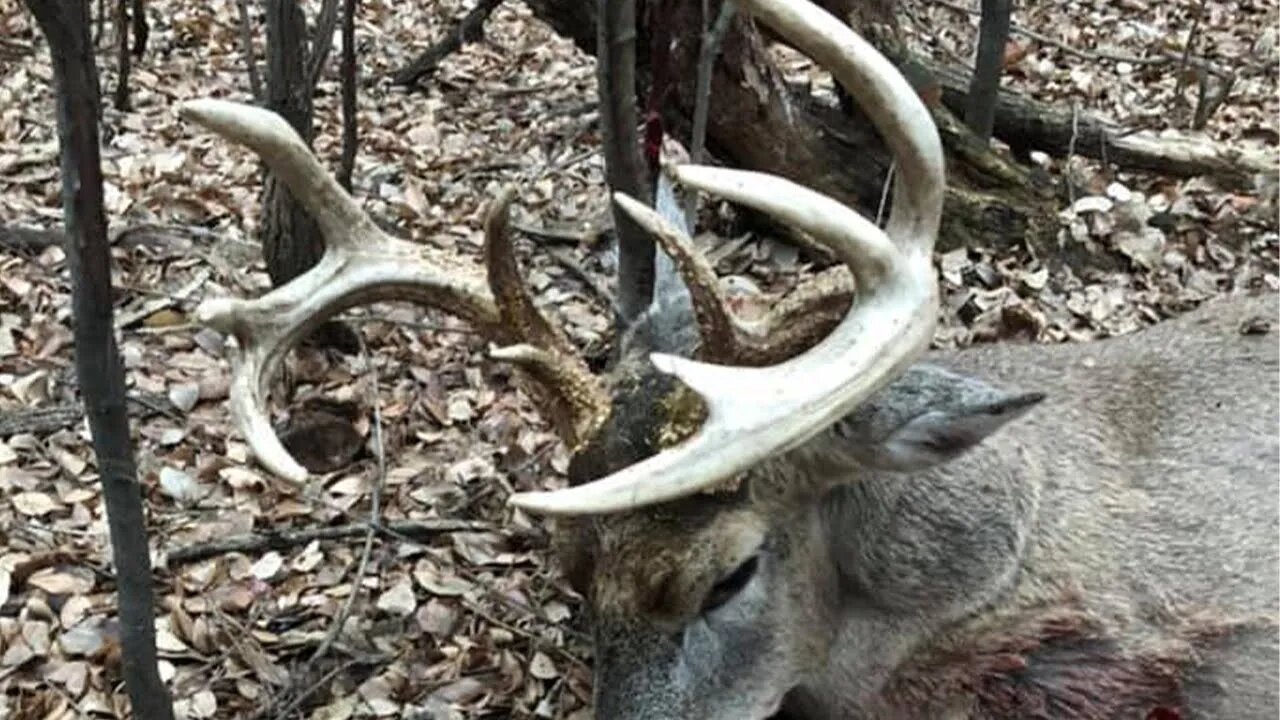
(754,413)
(804,317)
(361,264)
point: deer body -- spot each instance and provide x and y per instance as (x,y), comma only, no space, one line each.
(797,518)
(1108,552)
(1139,500)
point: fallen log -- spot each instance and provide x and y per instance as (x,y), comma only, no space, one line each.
(758,122)
(1027,124)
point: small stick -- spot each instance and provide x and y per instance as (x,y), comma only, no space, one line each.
(284,539)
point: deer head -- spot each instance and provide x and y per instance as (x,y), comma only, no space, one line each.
(737,517)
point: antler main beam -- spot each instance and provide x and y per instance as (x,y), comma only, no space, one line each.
(756,413)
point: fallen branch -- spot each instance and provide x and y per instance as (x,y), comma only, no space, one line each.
(43,420)
(469,29)
(285,539)
(128,316)
(1028,124)
(28,240)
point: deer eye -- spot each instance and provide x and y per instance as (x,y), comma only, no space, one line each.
(731,584)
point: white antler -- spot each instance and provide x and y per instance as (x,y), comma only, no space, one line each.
(755,413)
(361,264)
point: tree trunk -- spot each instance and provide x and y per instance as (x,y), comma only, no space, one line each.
(291,240)
(65,24)
(617,87)
(984,87)
(757,122)
(141,29)
(122,55)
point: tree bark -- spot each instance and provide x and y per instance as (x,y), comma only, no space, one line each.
(66,25)
(761,124)
(122,56)
(616,83)
(291,240)
(984,87)
(350,121)
(141,30)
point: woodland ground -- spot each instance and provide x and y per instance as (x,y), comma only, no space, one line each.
(474,621)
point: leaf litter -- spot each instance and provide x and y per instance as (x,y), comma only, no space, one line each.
(464,623)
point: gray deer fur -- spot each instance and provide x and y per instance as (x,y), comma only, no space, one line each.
(1009,531)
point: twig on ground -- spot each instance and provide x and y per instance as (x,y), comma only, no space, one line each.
(415,530)
(1186,50)
(884,193)
(322,682)
(537,642)
(150,307)
(49,419)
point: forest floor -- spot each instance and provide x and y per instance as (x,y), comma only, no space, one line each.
(442,617)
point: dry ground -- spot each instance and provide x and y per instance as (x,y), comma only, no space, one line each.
(470,619)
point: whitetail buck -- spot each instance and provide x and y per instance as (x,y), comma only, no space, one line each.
(819,526)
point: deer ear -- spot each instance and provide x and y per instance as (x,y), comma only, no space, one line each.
(941,433)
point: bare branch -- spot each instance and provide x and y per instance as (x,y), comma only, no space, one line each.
(123,62)
(141,30)
(321,43)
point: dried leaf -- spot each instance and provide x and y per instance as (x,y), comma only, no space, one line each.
(398,600)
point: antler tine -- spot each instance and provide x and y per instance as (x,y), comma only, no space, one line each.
(799,321)
(339,217)
(755,413)
(579,406)
(361,264)
(722,337)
